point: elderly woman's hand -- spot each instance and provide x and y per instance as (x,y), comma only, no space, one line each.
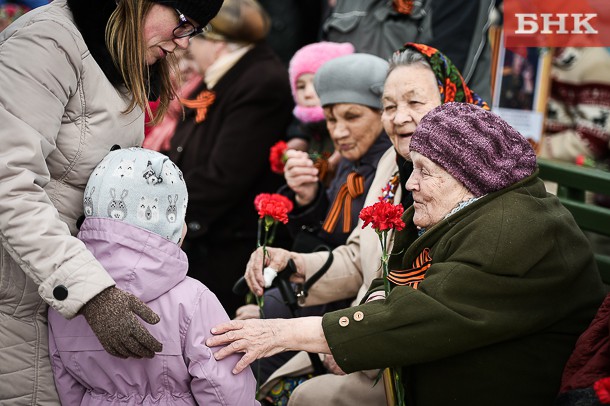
(301,176)
(249,311)
(264,338)
(277,259)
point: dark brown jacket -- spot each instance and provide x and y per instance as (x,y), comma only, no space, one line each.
(225,159)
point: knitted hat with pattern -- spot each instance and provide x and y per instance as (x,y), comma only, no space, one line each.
(141,187)
(475,146)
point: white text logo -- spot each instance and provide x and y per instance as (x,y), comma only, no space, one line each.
(555,23)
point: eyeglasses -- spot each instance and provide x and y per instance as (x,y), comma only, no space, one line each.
(185,28)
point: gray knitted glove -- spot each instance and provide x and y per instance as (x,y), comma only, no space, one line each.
(112,317)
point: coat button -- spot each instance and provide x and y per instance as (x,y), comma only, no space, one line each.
(60,292)
(179,149)
(358,316)
(343,321)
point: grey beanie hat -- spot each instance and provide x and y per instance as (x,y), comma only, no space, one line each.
(355,78)
(141,187)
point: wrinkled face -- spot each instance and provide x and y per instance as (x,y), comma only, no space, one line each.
(159,38)
(353,128)
(435,191)
(408,94)
(306,95)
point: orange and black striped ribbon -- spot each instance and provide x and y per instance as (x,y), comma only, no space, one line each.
(352,188)
(412,276)
(201,104)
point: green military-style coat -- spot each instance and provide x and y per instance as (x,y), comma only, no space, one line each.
(511,286)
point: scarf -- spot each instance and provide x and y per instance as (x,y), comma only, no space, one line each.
(451,84)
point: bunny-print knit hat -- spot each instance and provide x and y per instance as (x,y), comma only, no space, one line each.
(141,187)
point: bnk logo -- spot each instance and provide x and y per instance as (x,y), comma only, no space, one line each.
(556,23)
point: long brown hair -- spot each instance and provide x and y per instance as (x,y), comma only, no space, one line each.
(125,42)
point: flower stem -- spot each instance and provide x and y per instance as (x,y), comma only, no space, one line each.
(260,300)
(395,373)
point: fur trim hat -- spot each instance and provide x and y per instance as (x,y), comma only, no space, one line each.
(202,11)
(475,146)
(140,187)
(242,21)
(355,78)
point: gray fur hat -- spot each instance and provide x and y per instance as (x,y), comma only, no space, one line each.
(141,187)
(355,78)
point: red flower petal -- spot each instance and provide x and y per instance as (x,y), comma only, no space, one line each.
(276,157)
(383,216)
(602,390)
(273,205)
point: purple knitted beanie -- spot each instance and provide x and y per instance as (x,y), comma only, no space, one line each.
(475,146)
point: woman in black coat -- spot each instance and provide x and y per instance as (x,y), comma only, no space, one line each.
(240,110)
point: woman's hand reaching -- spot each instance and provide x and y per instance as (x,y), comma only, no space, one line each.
(277,259)
(264,338)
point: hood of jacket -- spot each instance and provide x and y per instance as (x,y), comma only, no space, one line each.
(141,262)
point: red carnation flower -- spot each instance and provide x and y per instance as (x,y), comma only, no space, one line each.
(273,205)
(602,390)
(277,158)
(383,216)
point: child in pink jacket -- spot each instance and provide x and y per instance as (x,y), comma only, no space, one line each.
(135,203)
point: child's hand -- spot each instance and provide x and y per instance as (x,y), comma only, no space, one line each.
(301,176)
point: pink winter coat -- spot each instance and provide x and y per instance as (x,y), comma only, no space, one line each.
(185,372)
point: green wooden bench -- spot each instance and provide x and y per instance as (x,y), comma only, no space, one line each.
(573,181)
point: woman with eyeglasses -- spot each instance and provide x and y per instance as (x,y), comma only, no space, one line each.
(240,109)
(75,77)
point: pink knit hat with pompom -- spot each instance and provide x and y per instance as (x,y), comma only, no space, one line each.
(308,59)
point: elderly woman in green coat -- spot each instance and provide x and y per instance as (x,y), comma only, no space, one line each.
(509,282)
